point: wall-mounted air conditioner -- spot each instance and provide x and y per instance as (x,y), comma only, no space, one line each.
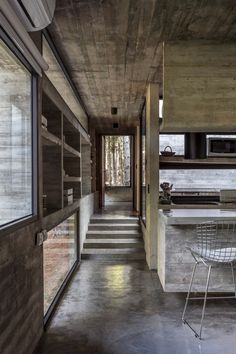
(34,14)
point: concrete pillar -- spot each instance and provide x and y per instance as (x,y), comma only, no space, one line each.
(152,174)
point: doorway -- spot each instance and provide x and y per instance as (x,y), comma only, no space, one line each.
(118,171)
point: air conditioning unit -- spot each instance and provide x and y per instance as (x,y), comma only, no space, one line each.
(34,14)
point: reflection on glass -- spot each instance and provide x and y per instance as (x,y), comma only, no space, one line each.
(59,255)
(15,138)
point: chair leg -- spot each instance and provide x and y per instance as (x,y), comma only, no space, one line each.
(205,299)
(189,291)
(233,275)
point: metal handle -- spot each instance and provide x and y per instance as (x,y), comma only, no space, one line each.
(168,146)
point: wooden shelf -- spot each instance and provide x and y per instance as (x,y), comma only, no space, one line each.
(70,151)
(49,139)
(50,211)
(186,206)
(72,179)
(209,160)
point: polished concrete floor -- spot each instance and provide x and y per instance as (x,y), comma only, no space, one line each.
(111,308)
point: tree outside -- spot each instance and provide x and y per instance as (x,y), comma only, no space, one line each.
(117,160)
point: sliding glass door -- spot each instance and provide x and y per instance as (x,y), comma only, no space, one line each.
(59,256)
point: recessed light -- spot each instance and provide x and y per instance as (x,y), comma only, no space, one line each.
(114,110)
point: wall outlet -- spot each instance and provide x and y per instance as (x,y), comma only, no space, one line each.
(41,237)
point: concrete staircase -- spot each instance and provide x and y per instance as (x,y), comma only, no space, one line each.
(113,239)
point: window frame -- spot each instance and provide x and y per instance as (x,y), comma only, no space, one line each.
(25,220)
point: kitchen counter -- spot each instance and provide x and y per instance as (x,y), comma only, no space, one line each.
(176,232)
(194,216)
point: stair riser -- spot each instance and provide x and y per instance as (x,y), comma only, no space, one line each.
(117,257)
(113,246)
(112,236)
(114,221)
(113,227)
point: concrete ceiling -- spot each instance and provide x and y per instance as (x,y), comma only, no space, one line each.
(113,48)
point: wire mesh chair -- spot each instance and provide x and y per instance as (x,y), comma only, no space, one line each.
(215,247)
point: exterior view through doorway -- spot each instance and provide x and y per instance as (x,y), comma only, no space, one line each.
(118,171)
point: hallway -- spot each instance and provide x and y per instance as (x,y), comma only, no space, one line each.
(120,308)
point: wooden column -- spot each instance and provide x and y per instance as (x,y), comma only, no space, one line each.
(152,174)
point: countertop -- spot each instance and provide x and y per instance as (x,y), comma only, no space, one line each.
(195,216)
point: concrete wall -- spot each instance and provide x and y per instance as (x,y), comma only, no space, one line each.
(152,175)
(88,205)
(199,86)
(21,291)
(21,281)
(86,169)
(175,262)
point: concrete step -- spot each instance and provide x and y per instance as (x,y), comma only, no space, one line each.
(102,220)
(113,254)
(114,234)
(112,243)
(113,227)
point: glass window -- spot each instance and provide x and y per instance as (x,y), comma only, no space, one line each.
(59,256)
(198,179)
(15,138)
(175,141)
(117,161)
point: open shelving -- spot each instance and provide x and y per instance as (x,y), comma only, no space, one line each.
(49,139)
(209,162)
(70,151)
(61,152)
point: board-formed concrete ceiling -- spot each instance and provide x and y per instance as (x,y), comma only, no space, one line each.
(113,48)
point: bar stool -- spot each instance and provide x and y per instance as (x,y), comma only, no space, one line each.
(215,247)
